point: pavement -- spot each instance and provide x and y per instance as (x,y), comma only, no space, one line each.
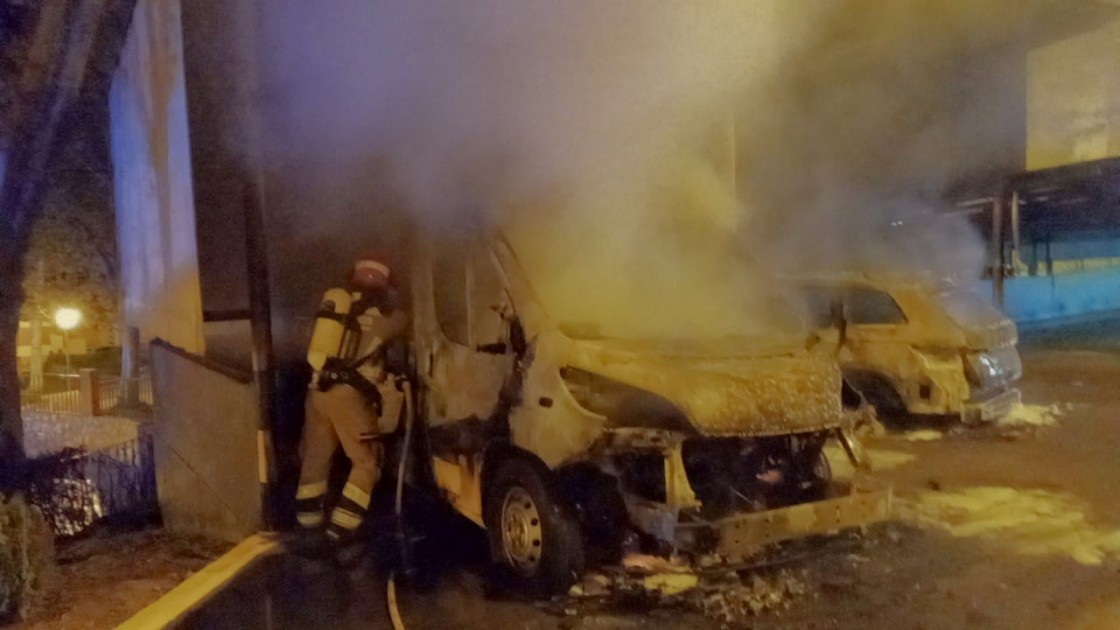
(1013,526)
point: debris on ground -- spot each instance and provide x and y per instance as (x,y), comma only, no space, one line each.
(924,435)
(751,596)
(647,563)
(1031,522)
(1022,415)
(671,583)
(721,592)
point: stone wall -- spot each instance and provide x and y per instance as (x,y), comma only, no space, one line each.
(45,432)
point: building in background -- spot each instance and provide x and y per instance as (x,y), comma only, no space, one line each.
(1054,228)
(1073,98)
(152,181)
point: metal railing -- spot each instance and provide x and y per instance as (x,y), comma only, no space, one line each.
(92,394)
(76,489)
(121,396)
(59,393)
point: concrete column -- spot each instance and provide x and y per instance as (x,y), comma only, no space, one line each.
(90,395)
(130,368)
(996,255)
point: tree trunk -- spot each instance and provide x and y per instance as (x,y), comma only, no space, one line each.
(11,423)
(54,71)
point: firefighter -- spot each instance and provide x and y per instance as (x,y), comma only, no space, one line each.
(352,399)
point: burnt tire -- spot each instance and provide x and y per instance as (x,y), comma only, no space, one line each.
(534,534)
(880,394)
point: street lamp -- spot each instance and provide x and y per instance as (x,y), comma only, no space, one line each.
(67,319)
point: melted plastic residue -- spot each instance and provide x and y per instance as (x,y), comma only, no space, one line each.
(1031,416)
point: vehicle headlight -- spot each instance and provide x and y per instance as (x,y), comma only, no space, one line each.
(981,368)
(623,405)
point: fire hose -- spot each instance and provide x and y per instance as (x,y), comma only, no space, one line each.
(402,541)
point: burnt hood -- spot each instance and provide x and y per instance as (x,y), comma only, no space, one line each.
(725,395)
(991,335)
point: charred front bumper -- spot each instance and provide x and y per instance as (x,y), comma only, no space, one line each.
(991,407)
(679,521)
(739,536)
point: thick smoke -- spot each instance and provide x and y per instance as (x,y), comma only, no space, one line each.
(586,129)
(500,101)
(597,135)
(853,149)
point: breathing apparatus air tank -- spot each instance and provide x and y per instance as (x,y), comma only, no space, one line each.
(329,335)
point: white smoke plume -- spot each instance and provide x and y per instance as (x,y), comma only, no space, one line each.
(587,128)
(596,132)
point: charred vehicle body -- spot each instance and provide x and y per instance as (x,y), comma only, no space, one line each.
(565,446)
(915,346)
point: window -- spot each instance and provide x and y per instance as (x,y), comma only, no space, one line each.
(867,306)
(488,300)
(469,299)
(821,305)
(449,283)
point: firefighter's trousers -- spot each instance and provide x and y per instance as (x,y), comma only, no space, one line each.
(340,415)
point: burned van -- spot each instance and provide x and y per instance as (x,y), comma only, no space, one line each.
(566,444)
(916,346)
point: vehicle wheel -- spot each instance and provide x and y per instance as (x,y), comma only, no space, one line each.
(534,534)
(881,395)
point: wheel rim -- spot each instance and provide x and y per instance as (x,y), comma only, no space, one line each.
(522,534)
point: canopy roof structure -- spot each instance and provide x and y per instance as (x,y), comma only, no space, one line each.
(1082,197)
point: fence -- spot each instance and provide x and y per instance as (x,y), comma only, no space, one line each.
(90,393)
(125,396)
(114,481)
(60,393)
(76,489)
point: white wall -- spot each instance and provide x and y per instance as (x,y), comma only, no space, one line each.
(152,180)
(1073,99)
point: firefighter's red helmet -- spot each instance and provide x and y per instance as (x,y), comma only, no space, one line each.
(370,273)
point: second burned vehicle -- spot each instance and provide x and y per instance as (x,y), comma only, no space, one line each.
(566,442)
(918,346)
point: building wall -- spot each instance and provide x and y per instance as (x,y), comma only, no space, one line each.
(205,432)
(1039,299)
(218,41)
(1073,99)
(152,180)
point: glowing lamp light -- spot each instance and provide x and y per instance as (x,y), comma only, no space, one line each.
(67,318)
